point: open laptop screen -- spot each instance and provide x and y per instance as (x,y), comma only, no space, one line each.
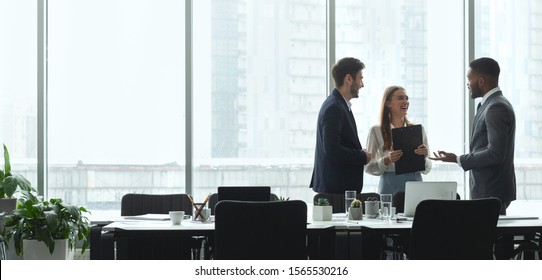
(417,191)
(244,193)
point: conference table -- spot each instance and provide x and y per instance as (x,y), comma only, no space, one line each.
(321,234)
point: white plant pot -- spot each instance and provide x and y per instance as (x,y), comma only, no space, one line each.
(322,213)
(355,213)
(37,250)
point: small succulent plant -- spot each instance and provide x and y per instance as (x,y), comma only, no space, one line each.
(356,203)
(322,202)
(282,198)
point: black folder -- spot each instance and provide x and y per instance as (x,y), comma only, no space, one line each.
(407,139)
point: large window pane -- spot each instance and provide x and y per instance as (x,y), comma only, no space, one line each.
(116,100)
(415,45)
(511,33)
(260,78)
(18,85)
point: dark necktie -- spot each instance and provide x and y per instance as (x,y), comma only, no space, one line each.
(478,108)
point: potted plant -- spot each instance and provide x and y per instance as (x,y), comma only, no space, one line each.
(282,198)
(10,182)
(355,211)
(322,211)
(38,228)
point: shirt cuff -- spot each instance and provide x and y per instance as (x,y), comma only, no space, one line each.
(381,165)
(458,158)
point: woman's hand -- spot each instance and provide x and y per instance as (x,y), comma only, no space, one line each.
(394,156)
(422,150)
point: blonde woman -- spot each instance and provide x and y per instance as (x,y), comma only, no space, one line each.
(393,113)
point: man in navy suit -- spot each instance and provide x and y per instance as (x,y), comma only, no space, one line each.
(491,157)
(339,157)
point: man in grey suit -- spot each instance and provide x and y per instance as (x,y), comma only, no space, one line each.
(491,157)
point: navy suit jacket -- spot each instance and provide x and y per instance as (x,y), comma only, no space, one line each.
(491,158)
(338,159)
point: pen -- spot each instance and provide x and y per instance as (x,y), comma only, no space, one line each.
(191,200)
(198,210)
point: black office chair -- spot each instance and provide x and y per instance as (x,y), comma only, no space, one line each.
(273,230)
(337,200)
(156,248)
(397,244)
(454,229)
(528,247)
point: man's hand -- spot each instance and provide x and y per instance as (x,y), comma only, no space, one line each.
(369,155)
(444,156)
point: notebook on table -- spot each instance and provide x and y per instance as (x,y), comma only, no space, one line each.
(416,191)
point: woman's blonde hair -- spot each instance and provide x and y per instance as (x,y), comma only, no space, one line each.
(385,116)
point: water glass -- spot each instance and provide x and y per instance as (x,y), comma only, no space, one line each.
(349,196)
(385,207)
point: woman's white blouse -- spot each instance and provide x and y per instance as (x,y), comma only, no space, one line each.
(375,141)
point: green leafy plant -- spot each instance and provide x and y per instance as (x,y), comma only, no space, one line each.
(322,202)
(356,203)
(282,198)
(46,221)
(9,182)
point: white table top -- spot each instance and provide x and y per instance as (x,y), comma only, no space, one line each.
(339,222)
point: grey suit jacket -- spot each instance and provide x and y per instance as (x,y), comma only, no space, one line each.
(491,157)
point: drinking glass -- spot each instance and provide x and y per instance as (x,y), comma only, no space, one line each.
(385,207)
(349,196)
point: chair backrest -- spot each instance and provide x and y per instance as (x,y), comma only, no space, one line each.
(261,230)
(241,194)
(454,229)
(244,193)
(337,200)
(138,204)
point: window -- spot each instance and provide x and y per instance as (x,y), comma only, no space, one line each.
(510,32)
(414,45)
(258,68)
(18,84)
(116,88)
(116,100)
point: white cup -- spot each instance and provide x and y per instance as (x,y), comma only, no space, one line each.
(176,217)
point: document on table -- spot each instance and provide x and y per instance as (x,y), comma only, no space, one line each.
(407,139)
(151,217)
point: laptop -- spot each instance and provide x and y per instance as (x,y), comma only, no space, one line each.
(244,193)
(416,191)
